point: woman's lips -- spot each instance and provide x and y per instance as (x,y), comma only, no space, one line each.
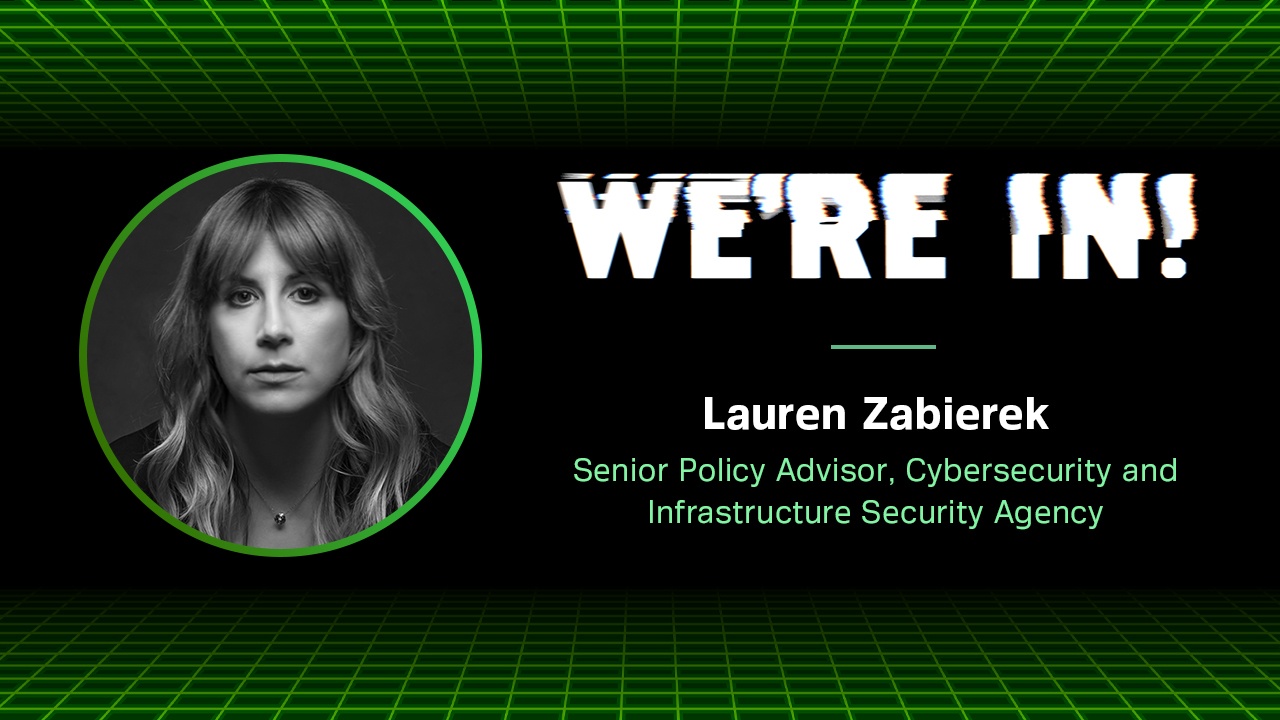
(275,374)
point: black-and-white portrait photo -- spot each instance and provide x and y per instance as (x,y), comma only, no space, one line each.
(281,354)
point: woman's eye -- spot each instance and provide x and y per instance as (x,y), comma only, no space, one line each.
(240,298)
(307,294)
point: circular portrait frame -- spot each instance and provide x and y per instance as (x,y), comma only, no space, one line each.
(462,424)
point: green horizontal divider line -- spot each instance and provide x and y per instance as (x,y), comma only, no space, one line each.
(884,347)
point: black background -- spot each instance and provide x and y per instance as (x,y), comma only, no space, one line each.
(1133,371)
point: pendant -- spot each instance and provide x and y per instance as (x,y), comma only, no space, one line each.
(280,518)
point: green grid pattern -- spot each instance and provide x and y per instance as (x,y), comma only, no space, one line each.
(640,72)
(639,656)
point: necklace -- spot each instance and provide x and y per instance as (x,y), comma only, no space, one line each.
(280,517)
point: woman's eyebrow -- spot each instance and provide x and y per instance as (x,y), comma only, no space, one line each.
(310,276)
(239,280)
(290,278)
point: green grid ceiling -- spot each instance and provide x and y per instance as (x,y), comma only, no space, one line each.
(641,72)
(639,656)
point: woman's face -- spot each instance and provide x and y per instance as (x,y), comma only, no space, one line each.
(280,338)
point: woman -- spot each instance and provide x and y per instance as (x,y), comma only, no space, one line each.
(283,424)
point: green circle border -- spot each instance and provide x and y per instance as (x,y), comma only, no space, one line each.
(256,160)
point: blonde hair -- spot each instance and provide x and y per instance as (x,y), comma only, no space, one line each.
(193,472)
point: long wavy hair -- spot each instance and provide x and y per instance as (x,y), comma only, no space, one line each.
(193,472)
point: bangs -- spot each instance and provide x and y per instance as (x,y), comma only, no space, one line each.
(306,229)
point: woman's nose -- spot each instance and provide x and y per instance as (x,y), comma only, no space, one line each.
(275,325)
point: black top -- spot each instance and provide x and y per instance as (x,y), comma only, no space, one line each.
(131,448)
